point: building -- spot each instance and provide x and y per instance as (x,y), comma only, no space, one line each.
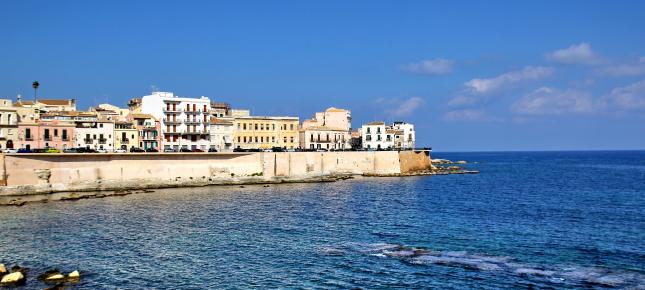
(377,135)
(219,110)
(46,134)
(221,130)
(329,130)
(8,124)
(111,112)
(405,136)
(264,132)
(95,134)
(126,135)
(185,122)
(149,131)
(49,105)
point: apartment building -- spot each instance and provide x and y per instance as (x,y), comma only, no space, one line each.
(46,134)
(221,134)
(329,130)
(97,134)
(185,122)
(8,124)
(265,132)
(149,131)
(377,135)
(126,135)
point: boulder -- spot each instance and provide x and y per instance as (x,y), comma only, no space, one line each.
(74,275)
(13,278)
(461,162)
(3,269)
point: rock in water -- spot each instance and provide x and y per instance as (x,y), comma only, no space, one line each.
(13,278)
(74,275)
(461,162)
(3,269)
(55,277)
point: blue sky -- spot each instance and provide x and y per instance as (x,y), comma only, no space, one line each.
(488,75)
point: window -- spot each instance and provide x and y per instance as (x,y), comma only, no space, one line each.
(273,139)
(239,139)
(94,136)
(378,130)
(291,126)
(47,134)
(312,138)
(55,132)
(368,130)
(244,126)
(27,133)
(285,139)
(64,134)
(238,126)
(368,137)
(273,127)
(291,139)
(244,139)
(101,125)
(256,138)
(262,139)
(256,126)
(261,126)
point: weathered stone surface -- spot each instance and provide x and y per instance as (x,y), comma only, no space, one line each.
(13,278)
(55,277)
(3,269)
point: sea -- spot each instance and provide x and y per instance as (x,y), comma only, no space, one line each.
(528,220)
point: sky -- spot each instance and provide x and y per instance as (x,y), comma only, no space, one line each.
(471,76)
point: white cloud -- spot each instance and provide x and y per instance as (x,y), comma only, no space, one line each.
(625,69)
(464,115)
(549,101)
(482,86)
(438,66)
(406,107)
(574,54)
(631,97)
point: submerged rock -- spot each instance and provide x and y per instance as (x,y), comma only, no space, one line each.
(3,269)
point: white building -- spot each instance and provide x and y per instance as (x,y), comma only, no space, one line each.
(185,122)
(377,135)
(404,135)
(97,134)
(329,130)
(221,134)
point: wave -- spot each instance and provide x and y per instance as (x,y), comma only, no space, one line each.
(421,256)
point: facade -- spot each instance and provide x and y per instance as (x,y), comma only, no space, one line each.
(405,136)
(46,134)
(329,130)
(126,135)
(265,132)
(49,105)
(148,129)
(185,122)
(375,136)
(221,131)
(220,110)
(97,134)
(8,125)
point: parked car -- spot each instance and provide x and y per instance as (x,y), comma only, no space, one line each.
(152,150)
(120,151)
(101,150)
(10,150)
(197,150)
(212,150)
(70,150)
(168,150)
(185,150)
(136,150)
(39,150)
(24,150)
(86,150)
(278,149)
(321,150)
(51,150)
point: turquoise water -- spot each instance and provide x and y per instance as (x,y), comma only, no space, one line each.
(539,219)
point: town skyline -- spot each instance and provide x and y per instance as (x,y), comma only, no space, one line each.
(566,76)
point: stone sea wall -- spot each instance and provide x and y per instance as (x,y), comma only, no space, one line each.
(27,174)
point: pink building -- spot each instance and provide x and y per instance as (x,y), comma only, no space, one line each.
(149,130)
(46,134)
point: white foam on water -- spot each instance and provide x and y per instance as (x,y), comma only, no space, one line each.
(531,271)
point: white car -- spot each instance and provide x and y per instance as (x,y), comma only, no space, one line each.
(11,150)
(101,150)
(120,151)
(267,150)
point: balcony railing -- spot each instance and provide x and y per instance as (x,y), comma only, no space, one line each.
(48,138)
(65,138)
(102,141)
(29,138)
(193,111)
(88,141)
(171,121)
(196,121)
(196,132)
(172,110)
(149,138)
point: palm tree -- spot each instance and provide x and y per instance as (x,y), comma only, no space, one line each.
(35,85)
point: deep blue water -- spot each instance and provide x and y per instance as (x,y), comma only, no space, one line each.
(529,219)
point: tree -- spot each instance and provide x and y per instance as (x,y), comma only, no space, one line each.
(35,85)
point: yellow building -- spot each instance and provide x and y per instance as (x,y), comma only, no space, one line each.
(126,135)
(264,132)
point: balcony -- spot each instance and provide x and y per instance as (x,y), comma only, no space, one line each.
(171,101)
(48,138)
(149,138)
(196,132)
(195,121)
(171,121)
(29,138)
(193,111)
(172,110)
(87,141)
(65,138)
(102,141)
(173,132)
